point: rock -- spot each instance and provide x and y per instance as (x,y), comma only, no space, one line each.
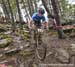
(73,47)
(34,65)
(7,48)
(1,36)
(4,36)
(2,28)
(50,53)
(26,35)
(62,55)
(24,46)
(25,31)
(17,39)
(8,26)
(3,61)
(12,51)
(27,52)
(8,32)
(5,40)
(1,55)
(27,45)
(3,43)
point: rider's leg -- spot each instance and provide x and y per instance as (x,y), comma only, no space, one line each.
(35,26)
(40,27)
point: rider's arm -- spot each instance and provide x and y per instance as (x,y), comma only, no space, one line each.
(54,21)
(31,20)
(30,23)
(55,24)
(45,22)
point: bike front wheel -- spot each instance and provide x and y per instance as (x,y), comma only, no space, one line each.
(41,51)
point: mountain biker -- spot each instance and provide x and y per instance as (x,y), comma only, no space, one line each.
(37,17)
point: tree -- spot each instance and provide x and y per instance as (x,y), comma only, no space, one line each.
(57,18)
(19,12)
(13,24)
(62,6)
(45,5)
(24,6)
(35,3)
(5,10)
(30,6)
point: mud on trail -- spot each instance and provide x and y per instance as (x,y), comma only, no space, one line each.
(60,52)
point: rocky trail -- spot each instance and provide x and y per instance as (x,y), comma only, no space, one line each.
(20,51)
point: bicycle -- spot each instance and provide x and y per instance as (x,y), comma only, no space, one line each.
(40,48)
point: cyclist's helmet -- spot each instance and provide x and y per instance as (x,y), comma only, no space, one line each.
(41,10)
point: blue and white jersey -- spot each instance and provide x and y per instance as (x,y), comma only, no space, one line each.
(35,17)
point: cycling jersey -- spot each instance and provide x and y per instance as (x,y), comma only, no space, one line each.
(35,17)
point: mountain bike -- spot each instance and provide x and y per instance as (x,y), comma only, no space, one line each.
(39,46)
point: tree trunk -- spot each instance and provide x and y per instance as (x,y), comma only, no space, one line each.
(51,10)
(27,16)
(35,2)
(57,18)
(30,7)
(12,17)
(5,11)
(45,5)
(19,12)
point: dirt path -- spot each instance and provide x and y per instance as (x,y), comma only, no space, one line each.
(60,47)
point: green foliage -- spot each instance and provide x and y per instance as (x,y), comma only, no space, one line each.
(10,40)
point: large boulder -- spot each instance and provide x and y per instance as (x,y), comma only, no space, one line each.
(62,55)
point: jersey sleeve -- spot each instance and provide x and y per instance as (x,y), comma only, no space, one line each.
(43,18)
